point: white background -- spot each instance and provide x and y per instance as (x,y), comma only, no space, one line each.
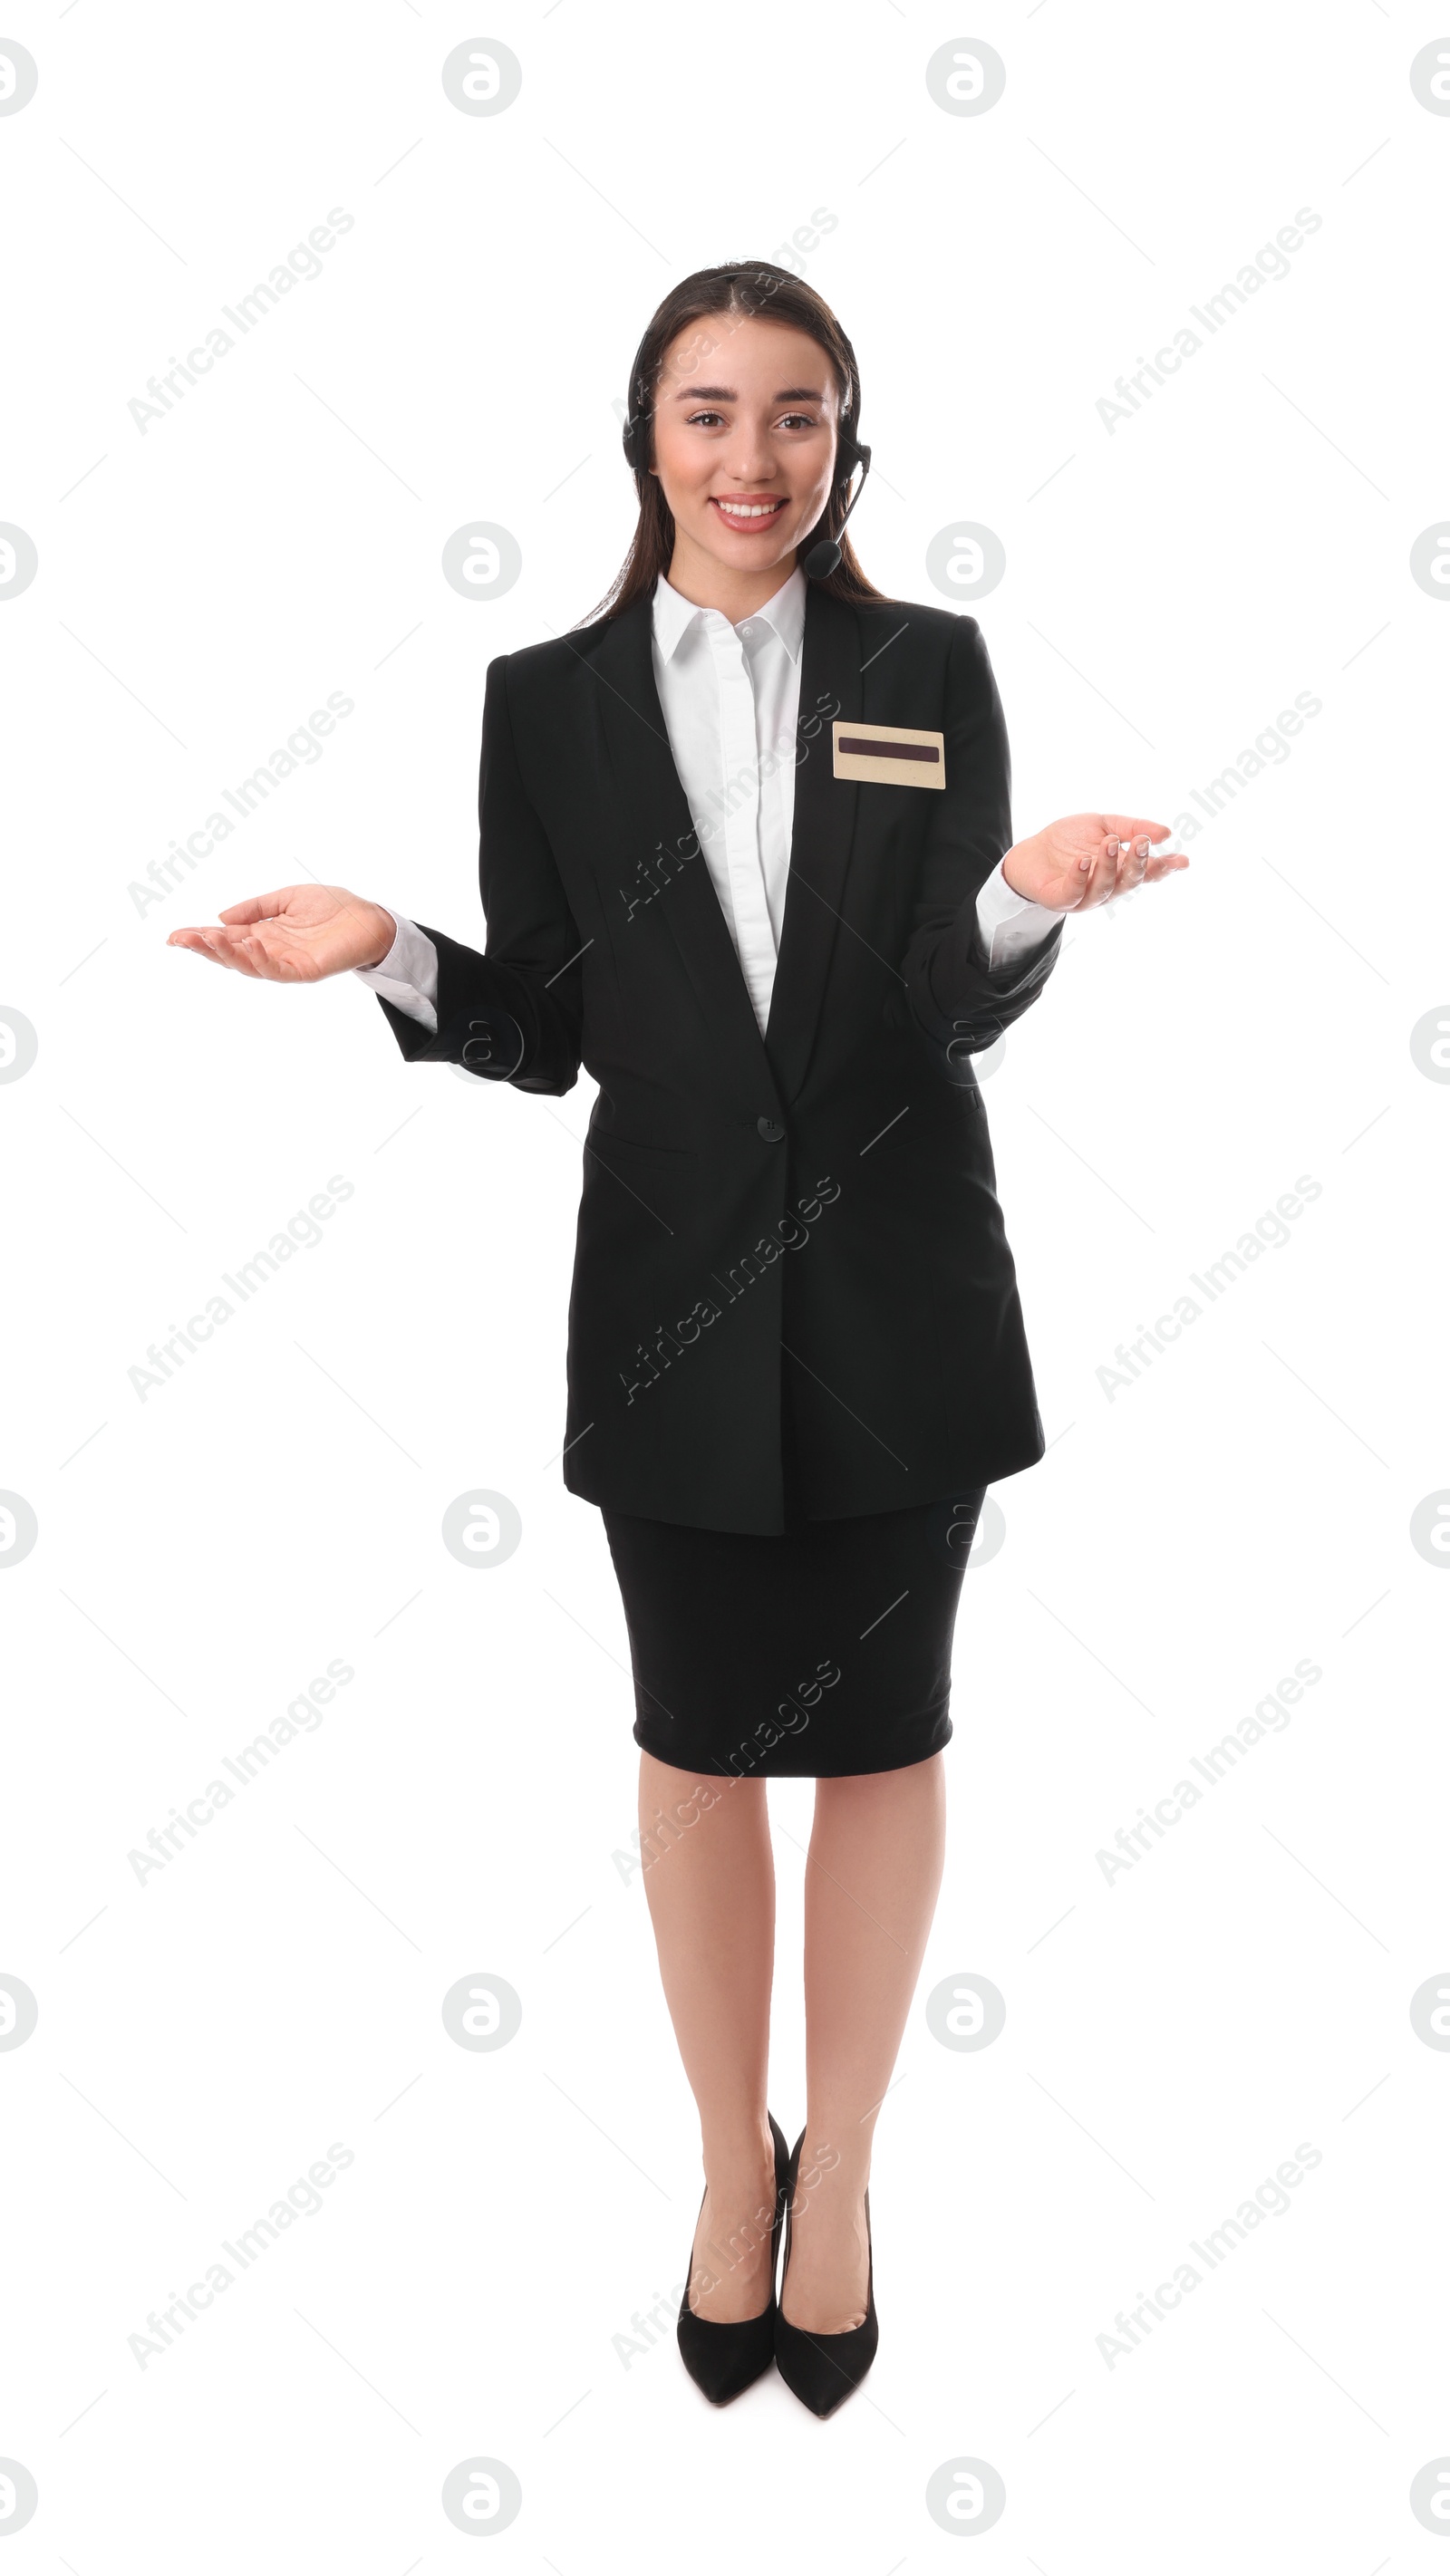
(1171,584)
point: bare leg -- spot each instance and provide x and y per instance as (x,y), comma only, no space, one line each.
(872,1877)
(710,1883)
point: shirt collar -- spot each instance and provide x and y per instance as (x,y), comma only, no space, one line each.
(785,614)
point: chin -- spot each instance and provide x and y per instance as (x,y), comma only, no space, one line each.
(749,555)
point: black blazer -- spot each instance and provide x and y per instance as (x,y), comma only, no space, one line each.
(821,1202)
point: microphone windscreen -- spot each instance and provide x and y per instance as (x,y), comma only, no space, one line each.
(822,560)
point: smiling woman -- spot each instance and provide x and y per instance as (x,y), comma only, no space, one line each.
(775,964)
(783,483)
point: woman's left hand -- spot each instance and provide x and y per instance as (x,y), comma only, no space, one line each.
(1086,859)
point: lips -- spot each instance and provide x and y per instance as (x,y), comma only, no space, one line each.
(749,512)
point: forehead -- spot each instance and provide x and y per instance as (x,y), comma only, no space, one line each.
(747,353)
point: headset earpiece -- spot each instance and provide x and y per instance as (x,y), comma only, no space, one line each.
(632,441)
(825,555)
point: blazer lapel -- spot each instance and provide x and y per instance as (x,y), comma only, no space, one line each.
(642,780)
(823,824)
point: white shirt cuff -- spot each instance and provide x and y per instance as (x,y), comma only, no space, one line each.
(1011,924)
(408,975)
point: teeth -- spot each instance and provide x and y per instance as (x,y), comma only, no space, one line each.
(748,510)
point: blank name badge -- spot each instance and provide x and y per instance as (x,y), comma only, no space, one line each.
(889,755)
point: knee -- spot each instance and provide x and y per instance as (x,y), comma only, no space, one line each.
(665,1820)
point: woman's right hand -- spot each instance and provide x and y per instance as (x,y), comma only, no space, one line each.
(295,936)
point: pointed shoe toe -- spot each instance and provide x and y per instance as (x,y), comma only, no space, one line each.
(823,2370)
(723,2360)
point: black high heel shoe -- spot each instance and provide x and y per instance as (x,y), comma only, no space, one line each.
(724,2359)
(822,2369)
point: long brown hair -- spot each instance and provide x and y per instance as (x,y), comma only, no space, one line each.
(746,290)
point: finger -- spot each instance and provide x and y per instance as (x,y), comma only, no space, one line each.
(259,907)
(1099,876)
(253,953)
(244,950)
(1133,827)
(210,943)
(206,941)
(1139,864)
(198,942)
(1126,861)
(235,952)
(215,936)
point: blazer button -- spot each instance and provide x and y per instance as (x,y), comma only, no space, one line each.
(771,1129)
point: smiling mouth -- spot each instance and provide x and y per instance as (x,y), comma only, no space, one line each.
(748,515)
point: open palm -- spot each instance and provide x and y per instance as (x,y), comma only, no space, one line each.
(297,935)
(1085,859)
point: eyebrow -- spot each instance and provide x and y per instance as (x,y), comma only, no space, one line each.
(727,393)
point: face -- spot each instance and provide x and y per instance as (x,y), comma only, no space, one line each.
(745,424)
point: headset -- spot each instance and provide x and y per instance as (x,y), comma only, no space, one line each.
(824,557)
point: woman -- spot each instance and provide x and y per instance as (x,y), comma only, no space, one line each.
(746,855)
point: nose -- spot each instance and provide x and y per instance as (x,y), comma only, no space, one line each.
(751,463)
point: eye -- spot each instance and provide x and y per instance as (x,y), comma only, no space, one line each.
(799,420)
(697,419)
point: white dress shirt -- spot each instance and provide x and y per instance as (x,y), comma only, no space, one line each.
(730,697)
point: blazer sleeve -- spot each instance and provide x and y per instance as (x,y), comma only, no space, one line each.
(514,1012)
(949,992)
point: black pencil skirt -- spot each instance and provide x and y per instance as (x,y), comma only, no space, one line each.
(819,1654)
